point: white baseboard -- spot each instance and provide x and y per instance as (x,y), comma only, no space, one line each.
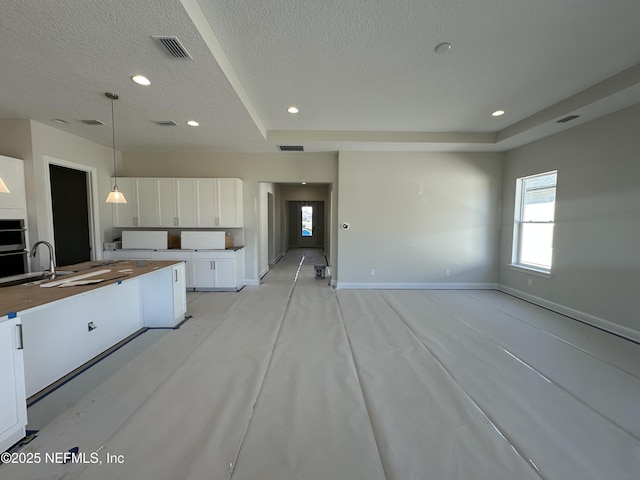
(416,286)
(264,272)
(598,322)
(251,283)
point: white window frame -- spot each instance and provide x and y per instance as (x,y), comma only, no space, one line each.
(518,223)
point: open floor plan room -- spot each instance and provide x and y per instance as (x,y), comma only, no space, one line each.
(293,379)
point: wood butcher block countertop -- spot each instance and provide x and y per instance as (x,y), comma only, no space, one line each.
(23,297)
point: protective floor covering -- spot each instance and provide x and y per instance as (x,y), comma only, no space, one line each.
(294,380)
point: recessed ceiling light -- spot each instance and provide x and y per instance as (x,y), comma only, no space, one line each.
(304,183)
(60,120)
(497,113)
(193,123)
(293,109)
(141,80)
(442,47)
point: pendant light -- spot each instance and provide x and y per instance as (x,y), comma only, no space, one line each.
(3,187)
(115,196)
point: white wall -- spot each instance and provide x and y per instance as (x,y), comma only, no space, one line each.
(35,143)
(264,190)
(251,168)
(596,266)
(412,216)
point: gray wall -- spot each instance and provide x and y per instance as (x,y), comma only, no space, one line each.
(413,216)
(596,266)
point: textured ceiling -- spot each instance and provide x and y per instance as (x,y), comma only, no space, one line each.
(363,72)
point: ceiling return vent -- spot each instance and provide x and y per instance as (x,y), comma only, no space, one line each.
(567,119)
(291,148)
(173,47)
(165,123)
(92,122)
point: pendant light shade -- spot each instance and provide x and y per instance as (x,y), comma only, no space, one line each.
(115,196)
(3,187)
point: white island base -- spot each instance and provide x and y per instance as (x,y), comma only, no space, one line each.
(63,335)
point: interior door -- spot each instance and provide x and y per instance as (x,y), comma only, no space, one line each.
(71,223)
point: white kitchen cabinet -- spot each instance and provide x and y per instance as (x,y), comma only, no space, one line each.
(13,400)
(207,202)
(185,256)
(204,269)
(218,270)
(13,204)
(148,211)
(219,202)
(179,292)
(167,202)
(126,214)
(229,202)
(156,202)
(187,196)
(164,297)
(184,202)
(151,202)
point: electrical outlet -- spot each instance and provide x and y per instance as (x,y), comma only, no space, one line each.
(530,282)
(373,272)
(447,272)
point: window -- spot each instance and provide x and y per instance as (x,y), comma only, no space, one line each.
(534,221)
(307,221)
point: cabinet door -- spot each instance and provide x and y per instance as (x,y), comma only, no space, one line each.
(148,199)
(179,292)
(203,272)
(125,214)
(187,202)
(13,402)
(229,202)
(225,273)
(207,202)
(167,202)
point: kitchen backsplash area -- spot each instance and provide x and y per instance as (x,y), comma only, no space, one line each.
(185,239)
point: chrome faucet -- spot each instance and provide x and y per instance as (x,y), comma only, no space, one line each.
(52,265)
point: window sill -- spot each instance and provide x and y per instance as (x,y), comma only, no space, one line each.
(530,270)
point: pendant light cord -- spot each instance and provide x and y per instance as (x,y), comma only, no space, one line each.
(113,144)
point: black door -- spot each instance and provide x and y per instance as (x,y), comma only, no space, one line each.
(70,203)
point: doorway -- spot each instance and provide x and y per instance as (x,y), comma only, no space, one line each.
(71,220)
(306,224)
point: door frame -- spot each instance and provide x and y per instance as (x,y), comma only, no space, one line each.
(92,196)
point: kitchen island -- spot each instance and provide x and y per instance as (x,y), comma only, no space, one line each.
(56,326)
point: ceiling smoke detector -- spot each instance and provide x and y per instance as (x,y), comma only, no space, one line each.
(173,46)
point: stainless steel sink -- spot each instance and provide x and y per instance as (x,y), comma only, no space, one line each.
(27,278)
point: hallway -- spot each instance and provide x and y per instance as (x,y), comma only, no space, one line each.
(295,380)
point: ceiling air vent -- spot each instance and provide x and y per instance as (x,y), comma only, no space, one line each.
(567,119)
(165,123)
(173,47)
(92,122)
(291,148)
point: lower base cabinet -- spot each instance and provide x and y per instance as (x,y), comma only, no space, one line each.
(213,271)
(204,269)
(13,400)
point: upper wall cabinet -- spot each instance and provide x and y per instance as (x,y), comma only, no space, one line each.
(126,214)
(180,202)
(14,203)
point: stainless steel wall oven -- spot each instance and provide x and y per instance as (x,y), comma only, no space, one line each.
(13,248)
